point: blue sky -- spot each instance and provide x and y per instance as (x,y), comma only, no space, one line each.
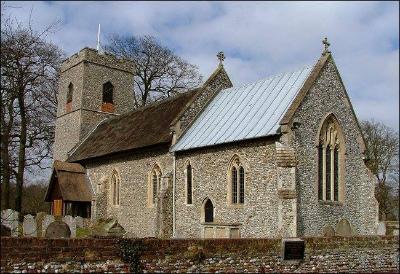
(259,38)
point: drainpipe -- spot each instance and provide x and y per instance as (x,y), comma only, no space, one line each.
(173,197)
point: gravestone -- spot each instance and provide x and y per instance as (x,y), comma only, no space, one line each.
(58,229)
(70,221)
(381,229)
(29,226)
(328,231)
(9,218)
(107,227)
(39,221)
(343,228)
(79,221)
(47,220)
(293,249)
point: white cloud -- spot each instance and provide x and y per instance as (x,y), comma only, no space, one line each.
(259,38)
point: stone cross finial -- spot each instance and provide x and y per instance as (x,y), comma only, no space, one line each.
(221,57)
(326,45)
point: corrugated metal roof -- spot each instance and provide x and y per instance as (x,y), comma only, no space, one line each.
(245,112)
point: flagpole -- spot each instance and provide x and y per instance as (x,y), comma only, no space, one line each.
(98,39)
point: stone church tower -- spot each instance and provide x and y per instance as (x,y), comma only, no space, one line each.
(92,87)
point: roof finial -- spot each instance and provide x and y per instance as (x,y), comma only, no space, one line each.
(221,57)
(326,46)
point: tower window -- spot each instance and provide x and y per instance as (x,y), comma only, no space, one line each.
(69,97)
(108,90)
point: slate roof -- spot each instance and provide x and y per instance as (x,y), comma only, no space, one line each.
(245,112)
(140,128)
(72,182)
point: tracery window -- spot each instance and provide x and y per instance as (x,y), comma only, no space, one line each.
(189,186)
(155,182)
(115,186)
(330,159)
(237,182)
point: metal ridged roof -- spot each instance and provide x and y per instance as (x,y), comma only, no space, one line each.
(244,112)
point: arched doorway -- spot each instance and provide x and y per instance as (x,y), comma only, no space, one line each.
(208,211)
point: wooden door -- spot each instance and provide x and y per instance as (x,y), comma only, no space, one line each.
(57,207)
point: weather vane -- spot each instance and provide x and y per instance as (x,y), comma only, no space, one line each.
(326,46)
(221,57)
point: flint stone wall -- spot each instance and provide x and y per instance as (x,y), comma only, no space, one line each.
(258,215)
(359,205)
(133,213)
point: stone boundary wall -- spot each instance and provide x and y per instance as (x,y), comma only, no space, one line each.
(29,249)
(336,254)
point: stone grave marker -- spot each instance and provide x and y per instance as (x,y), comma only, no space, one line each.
(107,227)
(9,218)
(79,221)
(381,229)
(47,220)
(70,221)
(328,231)
(293,249)
(343,228)
(39,221)
(29,226)
(58,229)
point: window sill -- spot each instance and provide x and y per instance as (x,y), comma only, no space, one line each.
(333,203)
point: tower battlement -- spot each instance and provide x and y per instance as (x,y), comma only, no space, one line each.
(92,56)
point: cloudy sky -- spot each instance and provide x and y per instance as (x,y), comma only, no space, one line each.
(259,38)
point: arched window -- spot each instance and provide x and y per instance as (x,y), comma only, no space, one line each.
(189,186)
(115,186)
(208,211)
(70,92)
(155,182)
(330,160)
(237,182)
(108,90)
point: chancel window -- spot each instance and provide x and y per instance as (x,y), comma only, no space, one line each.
(115,185)
(330,160)
(189,180)
(237,182)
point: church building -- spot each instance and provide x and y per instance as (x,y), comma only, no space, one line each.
(280,157)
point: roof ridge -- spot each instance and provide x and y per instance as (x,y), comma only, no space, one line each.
(272,76)
(152,104)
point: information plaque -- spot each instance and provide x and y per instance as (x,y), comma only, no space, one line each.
(293,249)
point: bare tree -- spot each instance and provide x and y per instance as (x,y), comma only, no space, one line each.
(29,65)
(159,72)
(382,159)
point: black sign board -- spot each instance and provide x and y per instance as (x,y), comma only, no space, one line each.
(293,249)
